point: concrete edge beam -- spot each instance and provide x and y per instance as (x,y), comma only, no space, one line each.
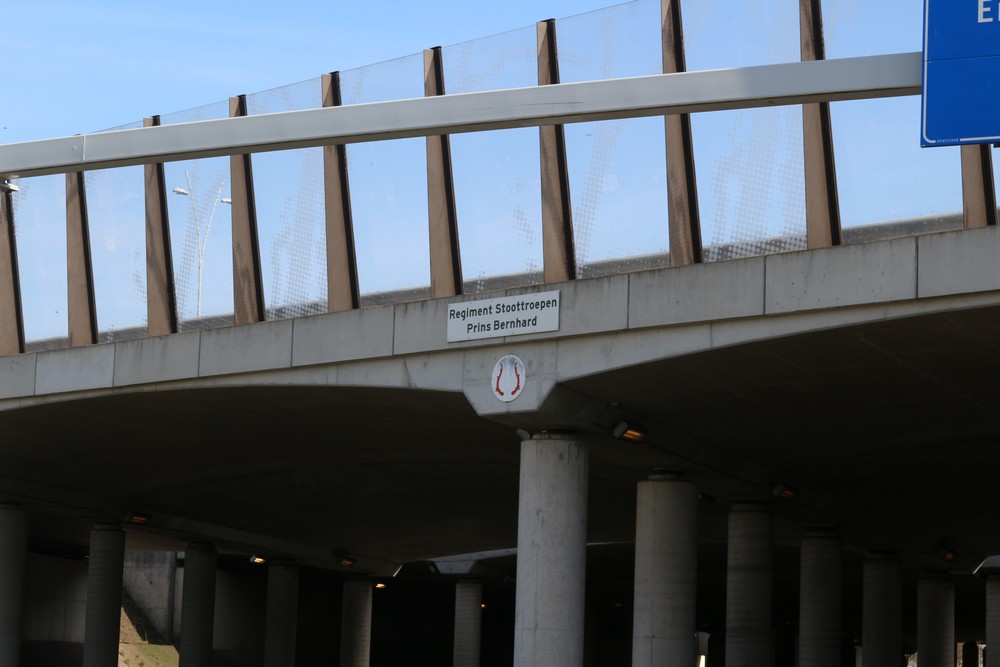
(247,348)
(346,336)
(696,293)
(955,262)
(75,369)
(841,276)
(17,375)
(157,359)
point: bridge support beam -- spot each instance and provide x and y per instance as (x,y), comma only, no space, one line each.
(882,610)
(104,595)
(820,599)
(748,587)
(356,623)
(822,203)
(161,301)
(341,259)
(682,190)
(12,319)
(936,621)
(282,616)
(979,199)
(81,306)
(442,215)
(13,554)
(551,551)
(558,247)
(666,565)
(468,623)
(992,656)
(198,606)
(248,286)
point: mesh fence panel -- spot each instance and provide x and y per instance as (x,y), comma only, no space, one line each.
(617,169)
(496,174)
(389,189)
(751,182)
(40,230)
(883,176)
(198,195)
(116,213)
(291,229)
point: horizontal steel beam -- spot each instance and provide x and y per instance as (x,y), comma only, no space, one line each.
(661,94)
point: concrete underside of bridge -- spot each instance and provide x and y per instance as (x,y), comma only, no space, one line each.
(887,428)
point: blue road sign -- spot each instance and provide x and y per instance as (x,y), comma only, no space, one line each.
(961,92)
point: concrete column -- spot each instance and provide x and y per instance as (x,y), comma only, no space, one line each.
(820,600)
(551,552)
(748,587)
(468,623)
(281,621)
(666,572)
(356,623)
(198,606)
(936,621)
(104,595)
(882,610)
(13,554)
(991,657)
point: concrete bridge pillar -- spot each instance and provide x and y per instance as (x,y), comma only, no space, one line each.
(936,621)
(13,554)
(198,605)
(356,623)
(666,572)
(282,616)
(820,600)
(551,551)
(748,587)
(105,568)
(468,623)
(882,610)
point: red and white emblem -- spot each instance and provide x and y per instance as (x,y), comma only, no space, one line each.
(508,378)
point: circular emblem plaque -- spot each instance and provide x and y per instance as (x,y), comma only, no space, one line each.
(508,378)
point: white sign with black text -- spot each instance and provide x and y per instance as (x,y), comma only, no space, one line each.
(503,316)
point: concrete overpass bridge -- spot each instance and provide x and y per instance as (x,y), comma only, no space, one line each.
(814,419)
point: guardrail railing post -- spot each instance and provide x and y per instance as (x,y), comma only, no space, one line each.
(442,216)
(248,287)
(11,316)
(81,305)
(341,258)
(682,189)
(822,205)
(558,251)
(161,299)
(979,199)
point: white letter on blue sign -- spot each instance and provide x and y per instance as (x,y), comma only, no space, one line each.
(984,9)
